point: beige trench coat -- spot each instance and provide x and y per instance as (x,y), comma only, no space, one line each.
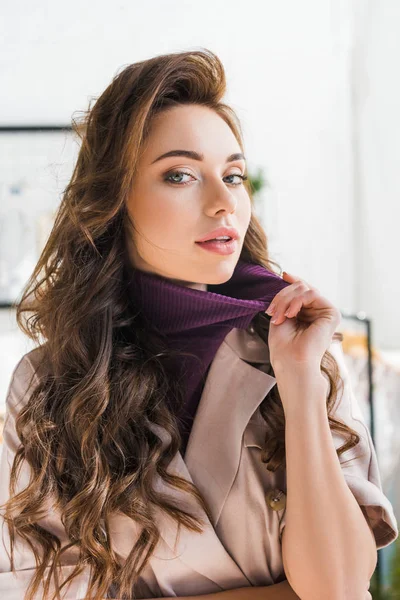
(242,545)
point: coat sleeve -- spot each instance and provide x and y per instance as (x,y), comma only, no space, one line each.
(359,464)
(13,584)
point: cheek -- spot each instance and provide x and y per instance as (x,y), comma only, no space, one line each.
(162,216)
(244,211)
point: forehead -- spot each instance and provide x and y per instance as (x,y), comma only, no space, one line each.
(191,127)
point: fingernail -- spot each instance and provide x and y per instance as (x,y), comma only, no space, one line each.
(270,309)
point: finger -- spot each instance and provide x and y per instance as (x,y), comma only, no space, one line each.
(285,295)
(293,308)
(296,279)
(294,305)
(291,277)
(283,298)
(298,302)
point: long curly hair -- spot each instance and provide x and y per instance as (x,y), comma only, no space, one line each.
(85,429)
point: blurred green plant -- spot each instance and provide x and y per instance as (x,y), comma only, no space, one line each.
(395,572)
(257,181)
(393,591)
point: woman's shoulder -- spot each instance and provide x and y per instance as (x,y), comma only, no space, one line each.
(25,376)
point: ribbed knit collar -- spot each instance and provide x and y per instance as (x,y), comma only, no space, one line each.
(176,309)
(197,321)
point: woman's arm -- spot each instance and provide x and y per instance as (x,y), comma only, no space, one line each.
(277,591)
(327,545)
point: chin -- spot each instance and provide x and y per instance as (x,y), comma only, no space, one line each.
(219,273)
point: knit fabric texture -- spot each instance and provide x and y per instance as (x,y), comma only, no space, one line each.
(197,321)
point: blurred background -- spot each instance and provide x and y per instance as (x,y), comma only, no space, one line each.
(314,84)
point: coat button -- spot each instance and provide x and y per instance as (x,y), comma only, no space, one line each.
(276,499)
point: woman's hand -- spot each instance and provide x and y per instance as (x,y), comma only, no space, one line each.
(300,339)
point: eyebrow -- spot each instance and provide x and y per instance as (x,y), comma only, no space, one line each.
(196,156)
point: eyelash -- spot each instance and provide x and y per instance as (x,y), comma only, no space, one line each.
(242,177)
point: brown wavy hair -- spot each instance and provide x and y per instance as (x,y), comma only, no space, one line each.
(104,379)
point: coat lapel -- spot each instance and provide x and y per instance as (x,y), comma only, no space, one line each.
(232,392)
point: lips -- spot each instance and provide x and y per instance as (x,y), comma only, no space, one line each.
(220,232)
(215,240)
(219,246)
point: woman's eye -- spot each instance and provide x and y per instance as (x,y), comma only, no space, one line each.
(241,177)
(171,178)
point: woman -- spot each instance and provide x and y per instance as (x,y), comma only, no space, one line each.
(152,436)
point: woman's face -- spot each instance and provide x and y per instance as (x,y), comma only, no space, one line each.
(177,200)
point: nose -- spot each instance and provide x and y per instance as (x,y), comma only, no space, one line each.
(220,197)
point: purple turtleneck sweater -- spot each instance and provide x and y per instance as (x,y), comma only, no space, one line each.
(198,321)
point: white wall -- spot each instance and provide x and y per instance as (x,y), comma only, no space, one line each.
(376,124)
